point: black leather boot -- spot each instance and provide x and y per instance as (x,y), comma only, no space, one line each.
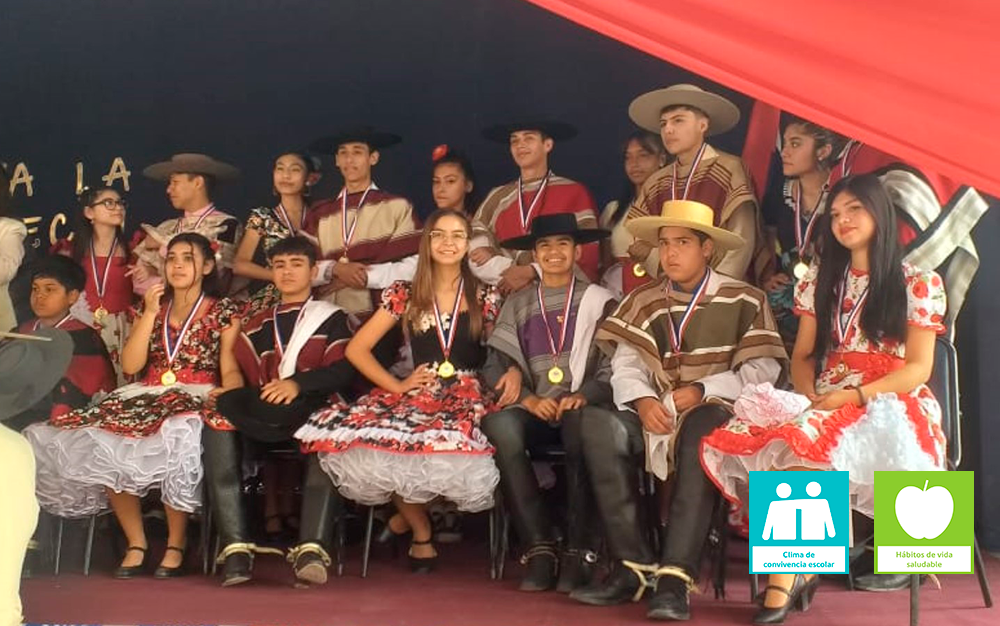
(321,508)
(670,601)
(541,566)
(576,569)
(622,585)
(223,460)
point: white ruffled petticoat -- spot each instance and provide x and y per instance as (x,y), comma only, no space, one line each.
(75,465)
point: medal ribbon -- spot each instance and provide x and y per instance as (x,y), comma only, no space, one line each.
(38,323)
(173,350)
(802,239)
(690,176)
(287,221)
(843,329)
(564,326)
(204,216)
(449,340)
(101,280)
(677,332)
(348,234)
(279,343)
(526,217)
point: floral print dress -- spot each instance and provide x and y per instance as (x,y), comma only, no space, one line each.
(142,436)
(421,444)
(272,229)
(775,429)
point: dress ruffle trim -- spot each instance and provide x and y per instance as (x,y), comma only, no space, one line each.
(371,476)
(74,466)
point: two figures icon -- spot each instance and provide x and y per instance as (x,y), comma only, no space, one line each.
(782,516)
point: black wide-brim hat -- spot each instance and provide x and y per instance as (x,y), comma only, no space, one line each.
(553,226)
(558,131)
(376,140)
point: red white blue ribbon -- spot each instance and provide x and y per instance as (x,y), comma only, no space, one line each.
(526,216)
(802,239)
(447,341)
(279,343)
(690,176)
(843,327)
(348,233)
(173,349)
(38,323)
(564,325)
(677,331)
(287,221)
(101,280)
(202,218)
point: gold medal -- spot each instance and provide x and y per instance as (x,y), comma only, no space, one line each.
(100,314)
(168,378)
(800,269)
(555,375)
(446,370)
(344,259)
(638,270)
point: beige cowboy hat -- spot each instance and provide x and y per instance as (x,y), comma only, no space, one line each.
(684,214)
(646,109)
(191,163)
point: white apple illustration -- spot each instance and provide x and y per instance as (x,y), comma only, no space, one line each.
(924,514)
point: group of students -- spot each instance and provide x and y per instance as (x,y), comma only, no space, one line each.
(414,362)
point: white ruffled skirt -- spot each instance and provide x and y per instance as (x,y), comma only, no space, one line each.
(75,465)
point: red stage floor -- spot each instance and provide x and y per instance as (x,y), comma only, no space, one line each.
(458,594)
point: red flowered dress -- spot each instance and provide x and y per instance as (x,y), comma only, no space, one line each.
(775,429)
(143,435)
(421,444)
(271,229)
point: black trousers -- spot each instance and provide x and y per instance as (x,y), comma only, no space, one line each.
(223,460)
(515,433)
(615,452)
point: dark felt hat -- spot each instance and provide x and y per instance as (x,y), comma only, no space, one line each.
(376,140)
(551,226)
(559,131)
(29,369)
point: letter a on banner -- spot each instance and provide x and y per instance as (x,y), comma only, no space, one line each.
(22,177)
(118,171)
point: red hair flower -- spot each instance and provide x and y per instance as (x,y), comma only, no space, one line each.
(439,152)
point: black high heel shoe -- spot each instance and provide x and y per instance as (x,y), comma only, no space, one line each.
(131,571)
(799,596)
(421,565)
(171,572)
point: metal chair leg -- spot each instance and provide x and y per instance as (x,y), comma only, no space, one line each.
(89,546)
(59,541)
(984,584)
(914,599)
(368,542)
(754,588)
(340,539)
(504,542)
(493,543)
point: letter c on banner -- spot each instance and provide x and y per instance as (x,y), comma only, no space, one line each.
(57,221)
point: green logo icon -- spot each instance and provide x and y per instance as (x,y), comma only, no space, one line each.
(923,522)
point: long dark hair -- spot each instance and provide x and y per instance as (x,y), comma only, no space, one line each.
(422,297)
(884,314)
(652,144)
(457,157)
(211,284)
(83,228)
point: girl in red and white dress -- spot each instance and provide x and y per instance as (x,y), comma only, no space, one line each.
(863,353)
(147,435)
(100,247)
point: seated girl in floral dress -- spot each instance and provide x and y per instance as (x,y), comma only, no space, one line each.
(414,440)
(863,353)
(147,435)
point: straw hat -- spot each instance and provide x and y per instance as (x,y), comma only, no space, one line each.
(684,214)
(645,110)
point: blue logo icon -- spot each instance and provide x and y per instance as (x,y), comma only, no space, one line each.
(799,522)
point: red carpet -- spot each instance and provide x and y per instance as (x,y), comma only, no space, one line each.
(459,593)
